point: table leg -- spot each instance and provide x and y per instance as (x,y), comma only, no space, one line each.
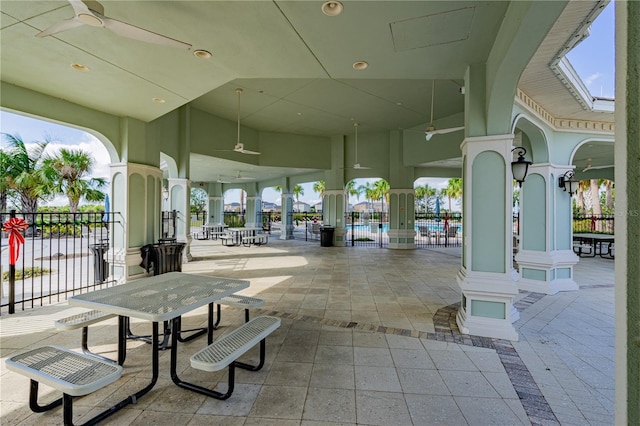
(132,399)
(191,386)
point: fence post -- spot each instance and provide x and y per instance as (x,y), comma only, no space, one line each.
(12,279)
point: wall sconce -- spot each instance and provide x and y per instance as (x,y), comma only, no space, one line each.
(165,193)
(567,183)
(520,167)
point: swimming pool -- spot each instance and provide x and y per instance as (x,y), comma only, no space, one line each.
(385,227)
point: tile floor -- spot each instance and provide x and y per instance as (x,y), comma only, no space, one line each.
(368,337)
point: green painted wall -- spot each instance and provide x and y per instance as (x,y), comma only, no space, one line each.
(488,213)
(533,223)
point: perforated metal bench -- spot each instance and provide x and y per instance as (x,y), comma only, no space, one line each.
(238,301)
(228,239)
(225,351)
(84,320)
(72,373)
(257,240)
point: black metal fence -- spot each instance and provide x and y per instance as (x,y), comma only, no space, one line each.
(367,229)
(438,230)
(63,254)
(594,223)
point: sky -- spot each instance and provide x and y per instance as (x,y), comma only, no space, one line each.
(593,60)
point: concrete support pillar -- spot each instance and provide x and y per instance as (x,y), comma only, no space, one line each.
(545,256)
(254,212)
(333,210)
(179,200)
(136,193)
(286,233)
(216,210)
(485,277)
(401,219)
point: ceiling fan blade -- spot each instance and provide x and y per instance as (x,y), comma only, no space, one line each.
(600,167)
(65,25)
(246,151)
(357,166)
(131,31)
(449,130)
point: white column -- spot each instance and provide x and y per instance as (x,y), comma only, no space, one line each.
(401,219)
(136,194)
(545,257)
(333,210)
(216,210)
(485,277)
(254,205)
(179,200)
(286,232)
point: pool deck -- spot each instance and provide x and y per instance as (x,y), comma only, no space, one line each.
(368,336)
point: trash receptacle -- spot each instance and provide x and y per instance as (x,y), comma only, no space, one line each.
(100,266)
(168,258)
(326,236)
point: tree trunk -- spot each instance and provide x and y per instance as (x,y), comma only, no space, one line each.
(595,203)
(609,194)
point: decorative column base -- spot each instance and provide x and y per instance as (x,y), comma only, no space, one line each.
(547,272)
(402,239)
(286,233)
(487,305)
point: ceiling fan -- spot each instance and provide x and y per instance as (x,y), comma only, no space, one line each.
(431,129)
(90,12)
(240,177)
(239,147)
(357,165)
(221,180)
(590,167)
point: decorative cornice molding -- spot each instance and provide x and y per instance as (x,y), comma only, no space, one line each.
(562,123)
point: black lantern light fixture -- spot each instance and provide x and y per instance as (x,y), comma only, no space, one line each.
(520,167)
(567,183)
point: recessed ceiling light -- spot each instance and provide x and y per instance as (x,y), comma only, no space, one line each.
(332,8)
(80,67)
(159,100)
(360,65)
(202,54)
(399,103)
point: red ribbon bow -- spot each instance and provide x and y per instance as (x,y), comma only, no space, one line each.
(13,226)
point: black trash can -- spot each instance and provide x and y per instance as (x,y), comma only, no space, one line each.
(100,266)
(326,236)
(168,258)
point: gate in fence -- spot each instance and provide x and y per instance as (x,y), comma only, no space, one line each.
(62,254)
(367,229)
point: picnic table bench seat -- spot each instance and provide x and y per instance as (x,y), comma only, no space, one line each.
(225,351)
(72,373)
(84,320)
(238,301)
(255,239)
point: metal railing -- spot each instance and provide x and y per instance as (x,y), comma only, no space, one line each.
(367,229)
(63,254)
(442,230)
(594,223)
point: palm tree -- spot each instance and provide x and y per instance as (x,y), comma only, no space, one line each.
(353,191)
(5,169)
(70,170)
(422,193)
(453,190)
(369,192)
(381,188)
(319,187)
(298,190)
(23,173)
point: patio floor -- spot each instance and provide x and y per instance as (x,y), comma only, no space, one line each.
(368,337)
